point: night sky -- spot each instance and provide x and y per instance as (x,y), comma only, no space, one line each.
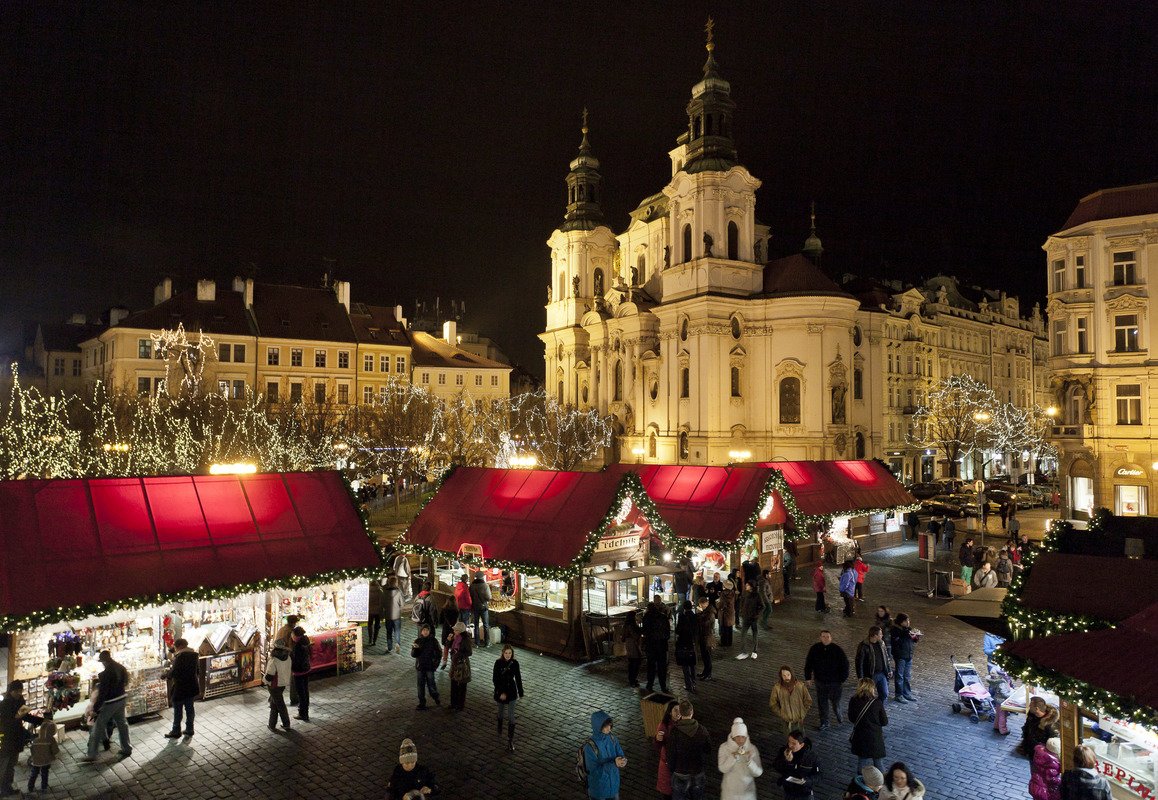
(422,148)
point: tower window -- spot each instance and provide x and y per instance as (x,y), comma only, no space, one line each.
(733,241)
(685,382)
(710,127)
(687,242)
(735,381)
(651,446)
(696,128)
(560,392)
(790,401)
(860,448)
(684,452)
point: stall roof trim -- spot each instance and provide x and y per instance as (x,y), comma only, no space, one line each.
(73,548)
(1110,589)
(841,488)
(708,504)
(533,518)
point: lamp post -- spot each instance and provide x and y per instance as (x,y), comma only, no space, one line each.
(637,451)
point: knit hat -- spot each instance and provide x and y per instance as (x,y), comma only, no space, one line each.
(872,777)
(408,752)
(1053,745)
(459,627)
(738,728)
(729,585)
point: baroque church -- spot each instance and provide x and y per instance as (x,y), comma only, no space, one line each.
(705,350)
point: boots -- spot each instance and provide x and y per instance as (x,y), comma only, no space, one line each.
(511,737)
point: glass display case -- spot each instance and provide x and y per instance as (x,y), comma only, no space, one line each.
(543,592)
(1127,753)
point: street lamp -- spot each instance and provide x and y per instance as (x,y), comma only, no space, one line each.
(1051,412)
(116,447)
(739,455)
(637,451)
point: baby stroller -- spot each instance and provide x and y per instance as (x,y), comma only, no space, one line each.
(972,692)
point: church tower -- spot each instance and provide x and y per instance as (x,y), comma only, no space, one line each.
(582,260)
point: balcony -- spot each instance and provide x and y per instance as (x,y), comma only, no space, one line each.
(908,411)
(1072,432)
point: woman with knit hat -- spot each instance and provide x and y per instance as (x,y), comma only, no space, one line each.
(410,776)
(739,761)
(461,646)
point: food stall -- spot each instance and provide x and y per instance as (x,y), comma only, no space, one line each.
(132,564)
(553,533)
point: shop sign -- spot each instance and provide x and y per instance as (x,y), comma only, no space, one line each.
(471,551)
(358,602)
(617,542)
(1129,472)
(771,541)
(1125,779)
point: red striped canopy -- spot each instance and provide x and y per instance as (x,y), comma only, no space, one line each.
(75,543)
(841,488)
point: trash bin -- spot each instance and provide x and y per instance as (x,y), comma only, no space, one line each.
(652,707)
(941,584)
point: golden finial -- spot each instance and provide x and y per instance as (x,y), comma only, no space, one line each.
(584,120)
(812,216)
(708,30)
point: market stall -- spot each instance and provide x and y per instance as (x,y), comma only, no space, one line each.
(552,532)
(132,564)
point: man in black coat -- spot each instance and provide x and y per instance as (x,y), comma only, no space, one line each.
(826,668)
(426,654)
(656,633)
(184,687)
(12,714)
(688,751)
(873,661)
(301,662)
(796,763)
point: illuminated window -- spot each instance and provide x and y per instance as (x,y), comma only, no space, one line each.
(1129,403)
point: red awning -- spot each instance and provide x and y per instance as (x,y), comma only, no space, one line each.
(532,517)
(841,488)
(1102,587)
(67,544)
(706,503)
(1114,660)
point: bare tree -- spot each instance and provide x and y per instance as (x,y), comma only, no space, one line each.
(395,434)
(957,419)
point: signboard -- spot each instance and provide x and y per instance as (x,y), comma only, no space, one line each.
(926,547)
(471,551)
(892,523)
(617,542)
(979,486)
(1129,472)
(771,541)
(358,602)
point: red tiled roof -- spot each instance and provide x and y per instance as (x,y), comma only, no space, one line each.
(298,312)
(797,275)
(224,315)
(430,351)
(1123,201)
(1107,588)
(377,325)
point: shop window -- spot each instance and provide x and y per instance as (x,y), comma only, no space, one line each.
(542,592)
(684,452)
(1128,399)
(733,242)
(790,401)
(1126,333)
(1130,501)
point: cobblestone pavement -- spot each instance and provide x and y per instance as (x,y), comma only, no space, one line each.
(351,745)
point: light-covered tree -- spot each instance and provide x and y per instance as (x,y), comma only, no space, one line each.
(957,418)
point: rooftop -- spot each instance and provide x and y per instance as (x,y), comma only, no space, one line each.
(1122,201)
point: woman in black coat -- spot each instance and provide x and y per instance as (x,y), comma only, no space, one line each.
(867,714)
(448,617)
(685,645)
(508,682)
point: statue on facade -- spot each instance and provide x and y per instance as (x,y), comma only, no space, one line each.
(942,295)
(666,256)
(548,293)
(575,286)
(708,242)
(838,392)
(759,252)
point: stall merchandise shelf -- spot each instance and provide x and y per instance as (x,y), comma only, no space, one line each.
(148,692)
(227,673)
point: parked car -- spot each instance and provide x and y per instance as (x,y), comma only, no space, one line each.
(940,505)
(968,503)
(923,491)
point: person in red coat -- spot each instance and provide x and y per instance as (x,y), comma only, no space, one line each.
(818,587)
(462,599)
(861,570)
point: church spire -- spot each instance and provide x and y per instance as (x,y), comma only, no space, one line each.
(709,134)
(583,210)
(812,246)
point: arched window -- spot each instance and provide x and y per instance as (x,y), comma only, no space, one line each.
(598,282)
(641,265)
(684,452)
(617,385)
(570,194)
(591,193)
(684,329)
(562,293)
(733,241)
(687,242)
(560,392)
(859,439)
(735,381)
(858,384)
(580,192)
(696,128)
(790,401)
(710,127)
(651,445)
(737,332)
(584,394)
(685,382)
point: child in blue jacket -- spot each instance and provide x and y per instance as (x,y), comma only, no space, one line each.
(604,758)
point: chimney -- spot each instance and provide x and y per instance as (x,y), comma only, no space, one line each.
(238,284)
(450,332)
(163,291)
(78,319)
(342,292)
(248,293)
(206,290)
(116,315)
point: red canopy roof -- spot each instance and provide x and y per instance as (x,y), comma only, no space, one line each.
(1109,588)
(841,488)
(1114,660)
(533,517)
(706,503)
(70,548)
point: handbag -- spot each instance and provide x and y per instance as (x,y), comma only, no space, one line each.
(859,717)
(460,671)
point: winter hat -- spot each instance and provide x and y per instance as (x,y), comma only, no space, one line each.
(408,752)
(738,728)
(459,627)
(1053,745)
(729,585)
(872,777)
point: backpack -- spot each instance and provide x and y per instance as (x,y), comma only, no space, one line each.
(581,760)
(418,612)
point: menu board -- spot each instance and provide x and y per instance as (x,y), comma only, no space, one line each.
(358,602)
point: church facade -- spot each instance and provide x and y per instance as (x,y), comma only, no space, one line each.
(707,351)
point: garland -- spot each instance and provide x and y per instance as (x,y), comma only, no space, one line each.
(52,616)
(822,521)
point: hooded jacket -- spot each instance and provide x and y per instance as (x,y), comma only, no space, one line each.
(802,769)
(1044,775)
(914,792)
(688,747)
(480,593)
(278,671)
(599,755)
(848,582)
(1084,784)
(739,771)
(426,653)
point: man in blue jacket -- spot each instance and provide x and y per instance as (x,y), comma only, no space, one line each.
(603,757)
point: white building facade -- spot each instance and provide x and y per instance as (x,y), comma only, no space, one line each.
(1102,328)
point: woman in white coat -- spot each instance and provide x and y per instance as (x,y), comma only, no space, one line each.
(739,760)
